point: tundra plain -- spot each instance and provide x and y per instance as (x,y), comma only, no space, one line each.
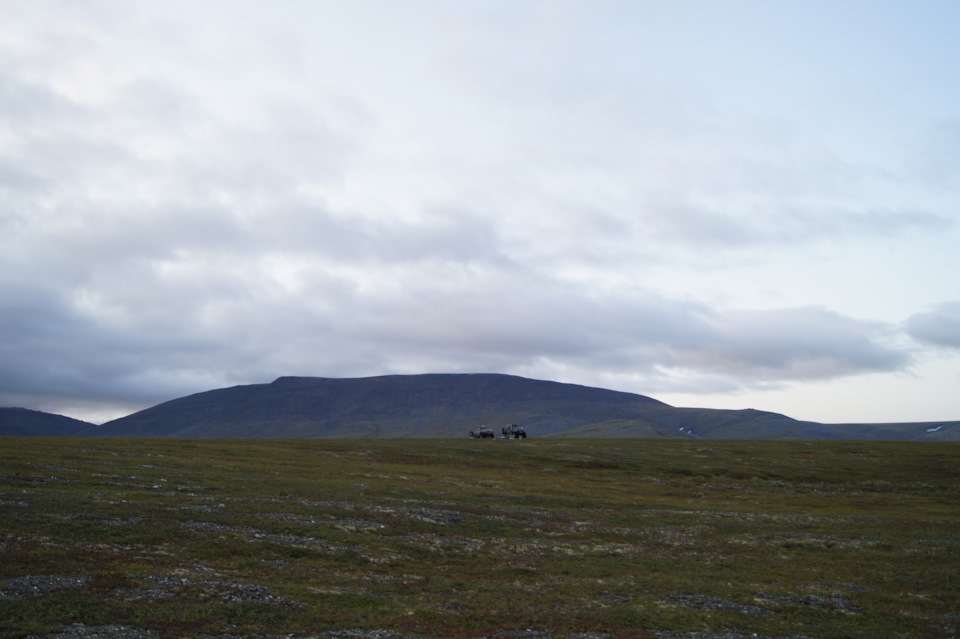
(539,538)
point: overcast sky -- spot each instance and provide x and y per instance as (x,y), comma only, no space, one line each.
(733,204)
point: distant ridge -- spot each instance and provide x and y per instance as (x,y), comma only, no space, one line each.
(26,422)
(449,405)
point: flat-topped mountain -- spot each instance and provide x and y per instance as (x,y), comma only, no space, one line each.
(387,406)
(449,405)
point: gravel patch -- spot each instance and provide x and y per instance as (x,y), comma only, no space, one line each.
(813,601)
(34,585)
(156,587)
(845,585)
(721,634)
(80,631)
(228,592)
(236,593)
(363,634)
(530,633)
(332,634)
(345,524)
(702,602)
(253,533)
(432,515)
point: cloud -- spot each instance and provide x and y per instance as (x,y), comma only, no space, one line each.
(938,327)
(798,344)
(210,299)
(239,319)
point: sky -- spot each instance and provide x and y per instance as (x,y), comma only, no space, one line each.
(736,204)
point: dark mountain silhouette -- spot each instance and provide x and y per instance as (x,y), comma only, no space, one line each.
(450,405)
(22,421)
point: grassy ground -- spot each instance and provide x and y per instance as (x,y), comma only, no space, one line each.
(538,538)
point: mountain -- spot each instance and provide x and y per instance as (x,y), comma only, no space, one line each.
(22,421)
(388,406)
(438,405)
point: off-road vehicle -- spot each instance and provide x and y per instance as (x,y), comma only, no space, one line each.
(482,432)
(513,431)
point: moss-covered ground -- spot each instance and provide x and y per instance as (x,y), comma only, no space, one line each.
(427,538)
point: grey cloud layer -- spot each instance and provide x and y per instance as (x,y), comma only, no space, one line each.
(938,327)
(139,328)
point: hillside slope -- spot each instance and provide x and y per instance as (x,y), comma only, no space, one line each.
(438,405)
(26,422)
(388,406)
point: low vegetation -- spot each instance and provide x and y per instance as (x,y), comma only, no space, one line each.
(467,538)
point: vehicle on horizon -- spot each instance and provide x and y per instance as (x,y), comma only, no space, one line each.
(513,431)
(482,432)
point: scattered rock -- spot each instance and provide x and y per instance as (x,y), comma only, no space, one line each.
(613,598)
(813,601)
(846,586)
(237,593)
(719,634)
(433,515)
(530,633)
(155,587)
(363,634)
(81,631)
(33,585)
(702,602)
(253,533)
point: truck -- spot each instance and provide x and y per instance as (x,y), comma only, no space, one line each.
(513,431)
(481,432)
